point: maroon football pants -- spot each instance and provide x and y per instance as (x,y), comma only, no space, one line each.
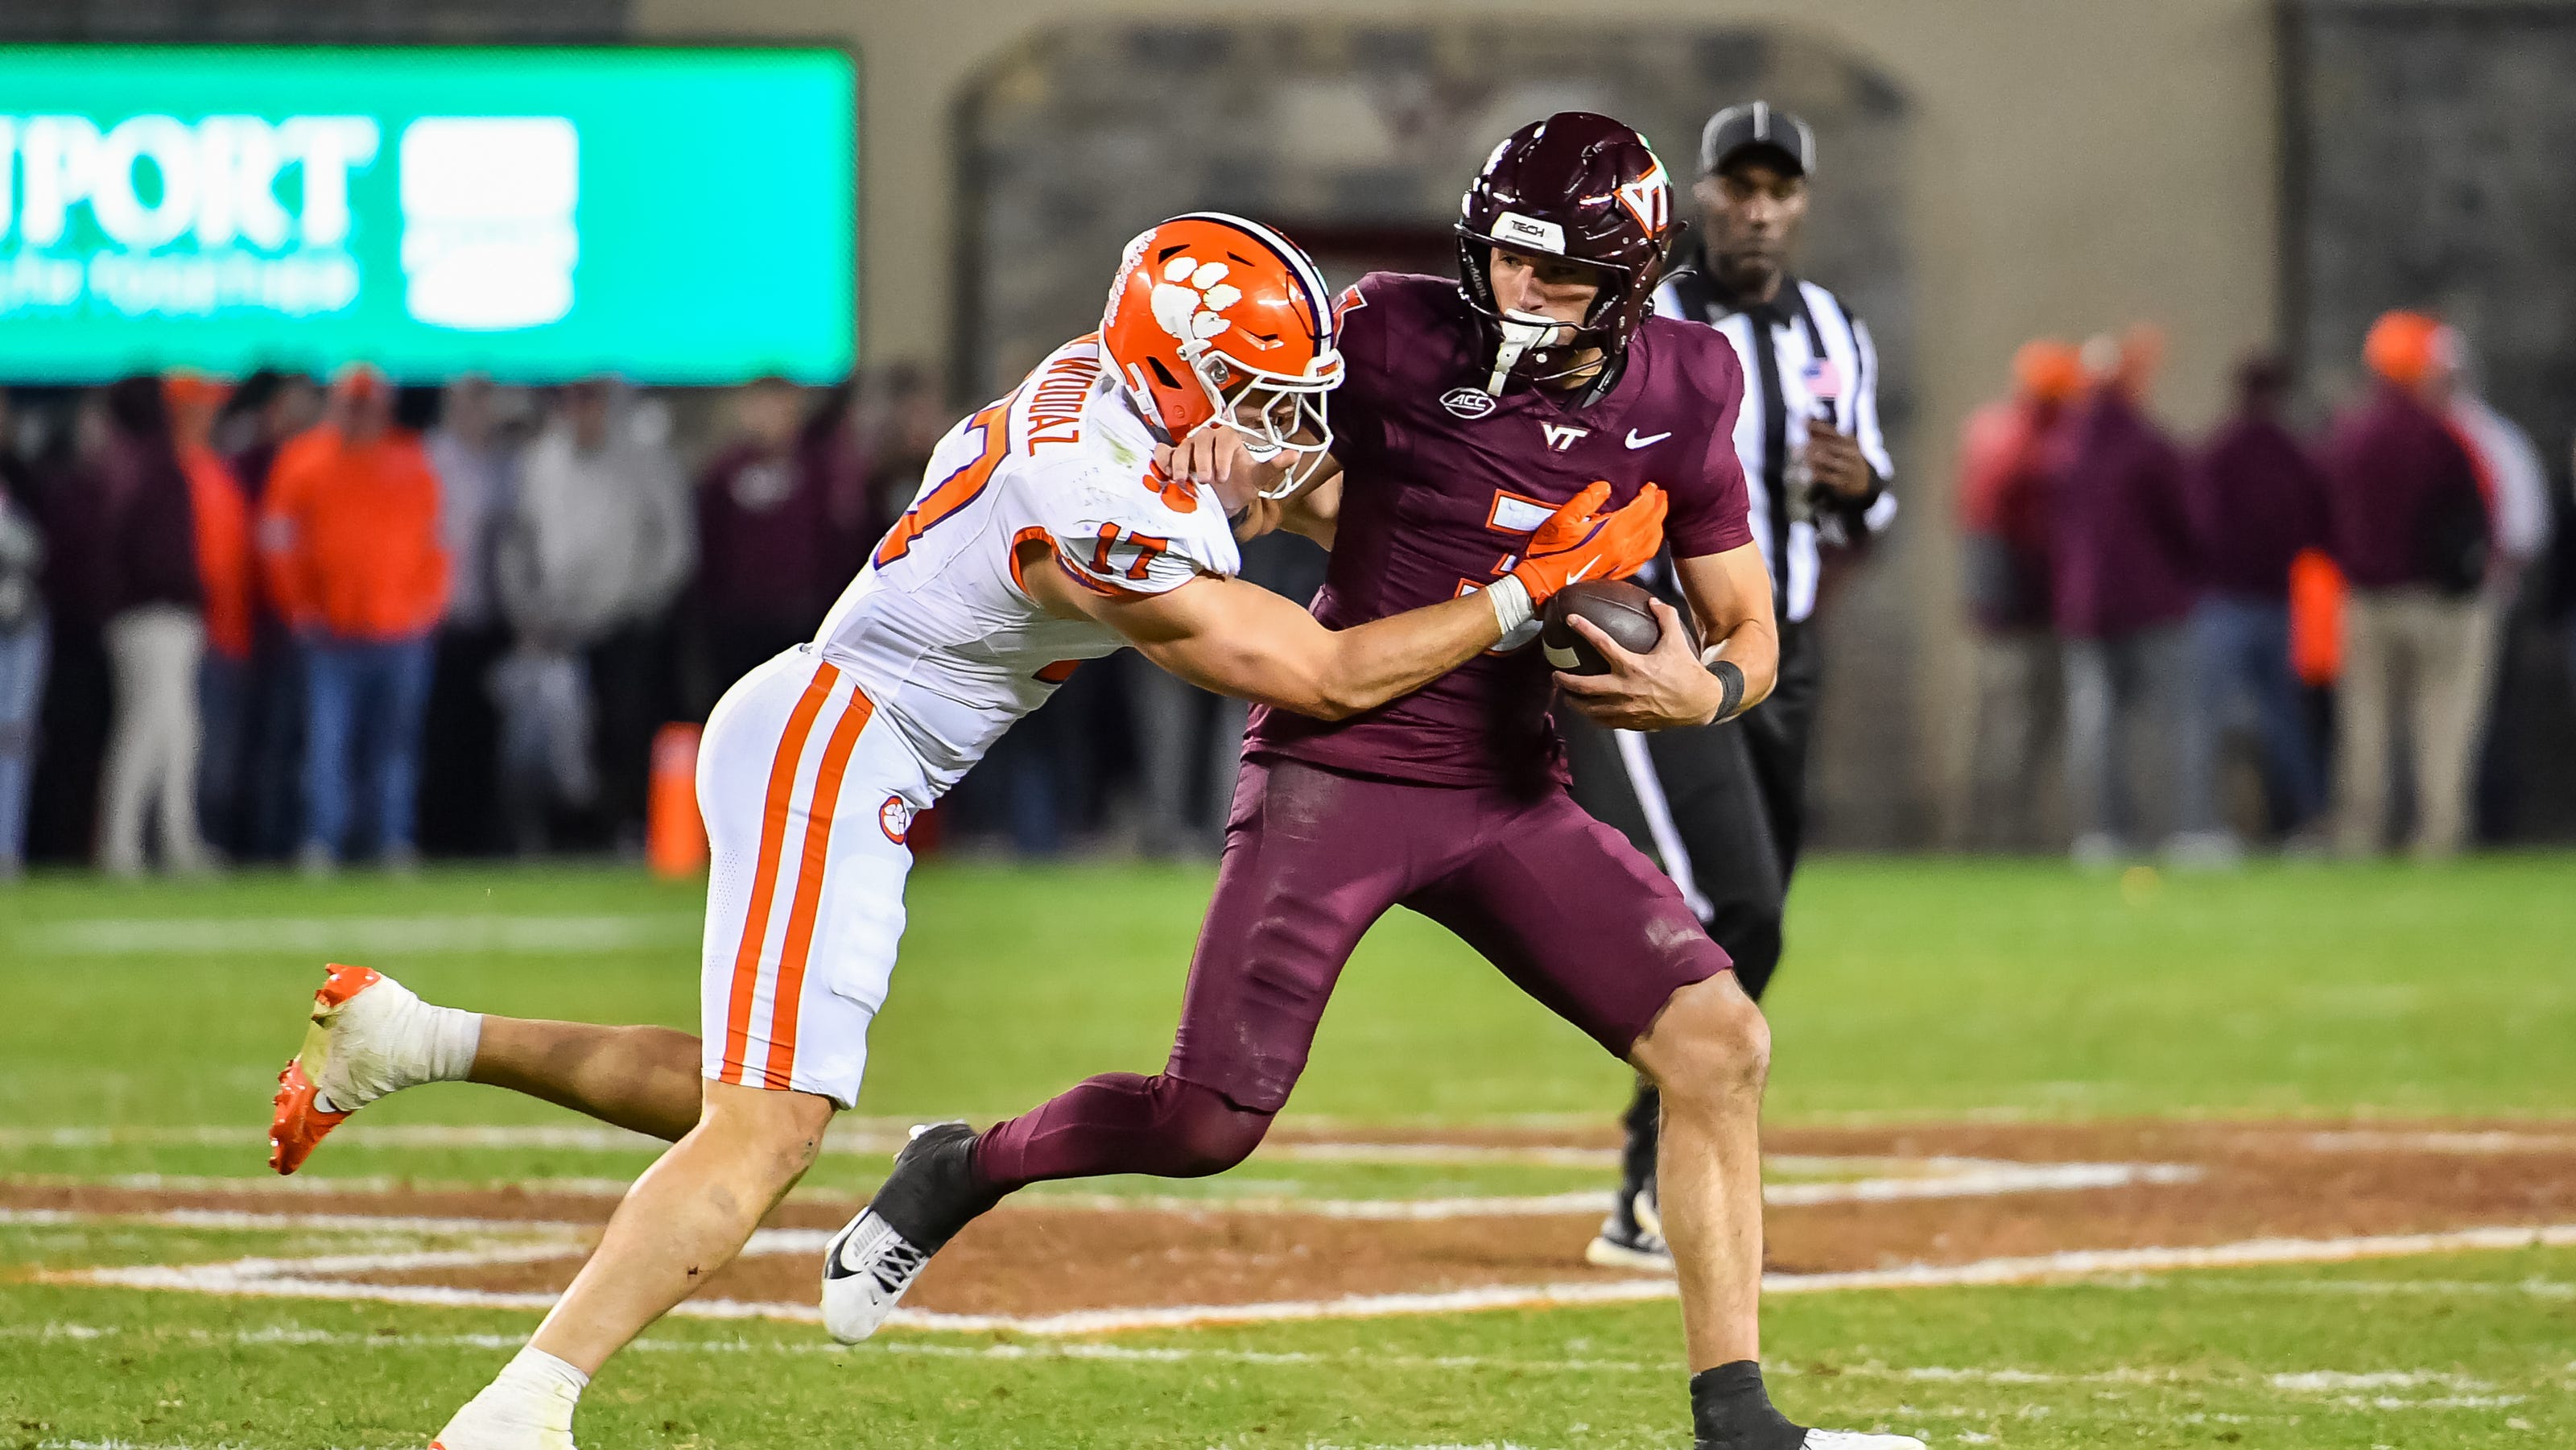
(1562,904)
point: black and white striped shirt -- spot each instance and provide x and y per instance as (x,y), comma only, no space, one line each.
(1804,354)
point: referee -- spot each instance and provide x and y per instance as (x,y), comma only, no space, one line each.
(1723,807)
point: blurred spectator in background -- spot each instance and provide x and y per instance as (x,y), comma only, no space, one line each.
(474,454)
(768,566)
(2563,606)
(156,636)
(225,569)
(72,724)
(843,441)
(599,543)
(2510,474)
(348,532)
(2009,450)
(2122,593)
(2409,527)
(905,421)
(267,410)
(2257,499)
(2516,484)
(22,644)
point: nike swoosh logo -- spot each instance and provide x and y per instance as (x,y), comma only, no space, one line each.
(838,1266)
(1636,442)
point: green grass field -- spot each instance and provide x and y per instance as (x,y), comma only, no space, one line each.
(147,1024)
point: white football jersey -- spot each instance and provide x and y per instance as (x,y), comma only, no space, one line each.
(939,630)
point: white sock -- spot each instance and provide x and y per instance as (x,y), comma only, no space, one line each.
(528,1404)
(543,1382)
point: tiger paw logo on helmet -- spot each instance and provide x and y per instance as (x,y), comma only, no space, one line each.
(1192,298)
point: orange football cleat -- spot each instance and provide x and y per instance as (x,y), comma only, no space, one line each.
(297,1123)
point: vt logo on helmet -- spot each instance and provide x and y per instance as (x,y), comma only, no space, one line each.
(1584,188)
(1216,317)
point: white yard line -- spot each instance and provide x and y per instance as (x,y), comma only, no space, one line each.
(1896,1179)
(1955,1179)
(292,1337)
(2436,1140)
(2336,1388)
(308,1185)
(403,936)
(2086,1263)
(2345,1288)
(1376,1210)
(1976,1180)
(225,1220)
(1443,1154)
(308,1278)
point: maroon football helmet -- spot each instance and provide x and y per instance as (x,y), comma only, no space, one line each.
(1578,186)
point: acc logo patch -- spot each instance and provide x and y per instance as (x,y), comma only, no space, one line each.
(895,818)
(1468,402)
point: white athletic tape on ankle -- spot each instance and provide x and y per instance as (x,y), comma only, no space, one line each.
(455,1036)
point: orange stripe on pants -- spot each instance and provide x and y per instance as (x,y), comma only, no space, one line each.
(788,996)
(773,839)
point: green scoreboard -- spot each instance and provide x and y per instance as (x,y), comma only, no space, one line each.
(675,215)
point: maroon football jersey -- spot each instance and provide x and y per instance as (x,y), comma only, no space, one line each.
(1442,486)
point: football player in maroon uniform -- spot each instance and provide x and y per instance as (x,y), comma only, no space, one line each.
(1471,409)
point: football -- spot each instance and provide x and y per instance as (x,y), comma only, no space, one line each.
(1620,609)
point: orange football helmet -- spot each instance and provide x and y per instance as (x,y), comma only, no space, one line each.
(1216,317)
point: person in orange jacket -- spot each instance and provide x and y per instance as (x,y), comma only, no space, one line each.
(2009,453)
(224,567)
(349,543)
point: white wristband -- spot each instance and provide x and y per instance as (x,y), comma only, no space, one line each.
(1512,607)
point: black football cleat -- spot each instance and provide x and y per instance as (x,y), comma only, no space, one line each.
(932,1193)
(1629,1237)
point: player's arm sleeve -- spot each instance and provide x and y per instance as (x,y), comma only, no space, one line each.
(1712,513)
(1116,539)
(1870,515)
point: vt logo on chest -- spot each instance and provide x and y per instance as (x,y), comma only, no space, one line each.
(1502,473)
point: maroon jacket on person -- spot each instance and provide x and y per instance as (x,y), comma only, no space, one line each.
(152,527)
(762,539)
(2392,467)
(2124,544)
(780,534)
(2257,499)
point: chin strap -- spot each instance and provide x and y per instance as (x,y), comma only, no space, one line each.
(1523,331)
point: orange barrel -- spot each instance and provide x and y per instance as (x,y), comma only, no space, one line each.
(675,835)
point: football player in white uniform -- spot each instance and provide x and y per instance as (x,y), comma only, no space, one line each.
(1051,528)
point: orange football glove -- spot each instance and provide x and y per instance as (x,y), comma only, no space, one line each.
(1577,542)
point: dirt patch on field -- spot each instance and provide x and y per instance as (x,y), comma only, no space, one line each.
(2236,1182)
(2256,1181)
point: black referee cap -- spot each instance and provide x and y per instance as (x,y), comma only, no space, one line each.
(1757,123)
